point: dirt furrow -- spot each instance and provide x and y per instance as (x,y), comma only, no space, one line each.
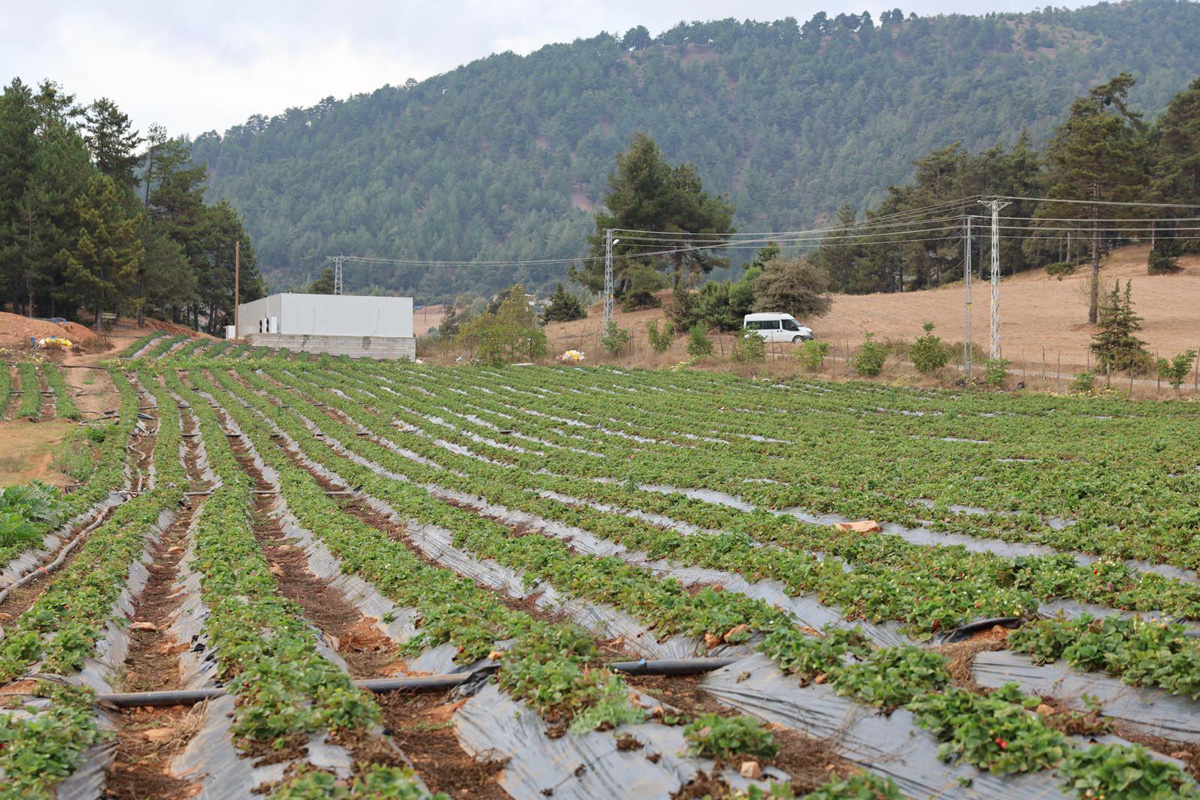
(149,738)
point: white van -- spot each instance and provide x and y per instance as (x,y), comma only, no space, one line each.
(777,327)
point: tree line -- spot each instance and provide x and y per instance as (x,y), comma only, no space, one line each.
(96,216)
(505,158)
(1103,156)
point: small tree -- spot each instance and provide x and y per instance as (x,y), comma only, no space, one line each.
(563,307)
(811,355)
(795,286)
(507,332)
(1176,370)
(1116,345)
(749,347)
(869,359)
(615,340)
(928,354)
(660,339)
(323,284)
(995,372)
(699,345)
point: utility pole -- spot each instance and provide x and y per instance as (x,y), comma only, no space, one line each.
(968,270)
(995,206)
(608,276)
(237,278)
(337,260)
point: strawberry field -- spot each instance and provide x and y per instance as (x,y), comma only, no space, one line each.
(599,583)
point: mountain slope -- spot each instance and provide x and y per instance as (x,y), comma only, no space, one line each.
(504,157)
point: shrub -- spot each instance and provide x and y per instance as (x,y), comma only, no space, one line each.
(995,372)
(660,339)
(636,301)
(1176,370)
(811,355)
(928,354)
(615,340)
(508,332)
(563,307)
(1060,269)
(1164,256)
(869,359)
(793,285)
(1084,382)
(714,736)
(698,345)
(749,347)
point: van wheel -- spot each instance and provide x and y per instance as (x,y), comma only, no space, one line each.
(797,339)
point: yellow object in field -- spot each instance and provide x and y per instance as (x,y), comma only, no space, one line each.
(54,341)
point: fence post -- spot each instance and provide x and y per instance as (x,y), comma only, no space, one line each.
(1196,374)
(1058,373)
(1108,374)
(1157,376)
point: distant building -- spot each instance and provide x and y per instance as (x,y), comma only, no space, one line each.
(353,325)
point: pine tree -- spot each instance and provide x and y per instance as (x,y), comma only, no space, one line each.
(323,284)
(1177,157)
(1096,156)
(563,307)
(1116,345)
(646,193)
(113,142)
(102,266)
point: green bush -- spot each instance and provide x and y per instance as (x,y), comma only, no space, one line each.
(660,338)
(699,345)
(615,340)
(929,354)
(714,736)
(1084,382)
(869,359)
(1176,370)
(749,347)
(1060,269)
(811,355)
(995,372)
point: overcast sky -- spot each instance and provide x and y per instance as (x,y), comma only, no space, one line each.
(209,64)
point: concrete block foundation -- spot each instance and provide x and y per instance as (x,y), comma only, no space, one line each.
(380,347)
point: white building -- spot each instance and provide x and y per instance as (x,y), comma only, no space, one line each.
(355,325)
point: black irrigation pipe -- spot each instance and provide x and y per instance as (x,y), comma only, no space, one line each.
(430,683)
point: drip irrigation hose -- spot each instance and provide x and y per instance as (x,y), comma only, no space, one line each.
(429,683)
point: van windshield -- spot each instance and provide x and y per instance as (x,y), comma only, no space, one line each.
(790,325)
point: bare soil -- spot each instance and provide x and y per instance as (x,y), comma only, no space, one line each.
(26,451)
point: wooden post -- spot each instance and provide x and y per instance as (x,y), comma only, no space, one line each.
(1043,363)
(1196,374)
(1157,375)
(1058,373)
(237,276)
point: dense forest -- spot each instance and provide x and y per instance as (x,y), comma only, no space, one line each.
(95,216)
(504,158)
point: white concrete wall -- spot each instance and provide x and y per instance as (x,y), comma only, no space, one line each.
(331,315)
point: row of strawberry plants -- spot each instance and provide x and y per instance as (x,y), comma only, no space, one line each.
(31,393)
(161,346)
(885,678)
(64,403)
(1074,532)
(60,630)
(1141,652)
(1174,668)
(266,650)
(140,344)
(848,450)
(892,579)
(553,666)
(107,475)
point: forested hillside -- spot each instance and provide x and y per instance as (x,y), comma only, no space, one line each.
(505,157)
